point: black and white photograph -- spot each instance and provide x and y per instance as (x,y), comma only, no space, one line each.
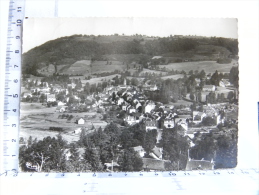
(129,94)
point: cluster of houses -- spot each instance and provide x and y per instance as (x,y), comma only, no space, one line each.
(138,108)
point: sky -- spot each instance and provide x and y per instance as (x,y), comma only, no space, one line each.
(37,31)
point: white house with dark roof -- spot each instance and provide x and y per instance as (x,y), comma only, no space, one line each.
(150,125)
(80,121)
(51,98)
(169,123)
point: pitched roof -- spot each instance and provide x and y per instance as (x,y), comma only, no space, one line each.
(153,164)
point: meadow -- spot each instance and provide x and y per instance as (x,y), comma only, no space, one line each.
(207,66)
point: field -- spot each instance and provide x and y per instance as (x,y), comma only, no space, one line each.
(35,121)
(207,66)
(179,103)
(99,79)
(175,77)
(157,72)
(85,67)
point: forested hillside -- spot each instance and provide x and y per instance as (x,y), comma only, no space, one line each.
(137,48)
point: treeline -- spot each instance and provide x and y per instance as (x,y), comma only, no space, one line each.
(55,51)
(223,150)
(102,146)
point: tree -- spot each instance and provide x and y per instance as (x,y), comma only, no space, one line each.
(149,141)
(234,76)
(192,96)
(208,121)
(92,156)
(130,161)
(230,95)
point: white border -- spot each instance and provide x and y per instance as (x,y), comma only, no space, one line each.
(248,20)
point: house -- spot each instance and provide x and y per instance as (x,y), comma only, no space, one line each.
(140,150)
(77,131)
(199,165)
(157,153)
(209,88)
(156,57)
(168,123)
(25,95)
(167,110)
(182,122)
(153,88)
(198,116)
(150,125)
(149,107)
(150,164)
(81,152)
(224,83)
(80,121)
(113,166)
(198,81)
(61,103)
(72,85)
(132,110)
(51,98)
(131,119)
(120,101)
(61,108)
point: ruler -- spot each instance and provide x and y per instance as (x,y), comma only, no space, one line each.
(10,129)
(232,181)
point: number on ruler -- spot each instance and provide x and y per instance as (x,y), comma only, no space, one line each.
(19,9)
(13,140)
(14,110)
(15,95)
(15,66)
(186,173)
(19,22)
(13,125)
(172,174)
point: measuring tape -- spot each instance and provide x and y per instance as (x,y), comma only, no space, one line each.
(10,130)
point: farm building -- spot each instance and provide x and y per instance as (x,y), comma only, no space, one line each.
(80,121)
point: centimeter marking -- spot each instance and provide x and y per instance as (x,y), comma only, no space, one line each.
(10,129)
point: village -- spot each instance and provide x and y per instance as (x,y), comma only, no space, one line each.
(71,106)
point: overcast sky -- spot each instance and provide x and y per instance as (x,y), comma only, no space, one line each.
(40,30)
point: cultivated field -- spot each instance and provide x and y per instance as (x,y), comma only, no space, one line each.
(157,72)
(175,77)
(99,79)
(35,121)
(207,66)
(86,67)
